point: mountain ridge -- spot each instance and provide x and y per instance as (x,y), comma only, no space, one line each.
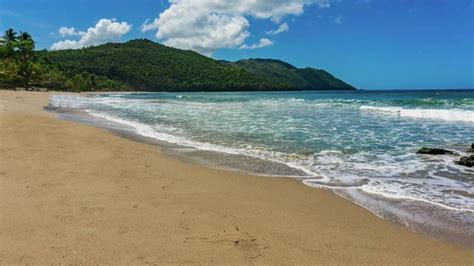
(144,65)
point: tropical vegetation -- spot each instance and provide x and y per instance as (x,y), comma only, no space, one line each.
(18,66)
(146,66)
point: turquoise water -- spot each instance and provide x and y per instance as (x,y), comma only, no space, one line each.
(360,144)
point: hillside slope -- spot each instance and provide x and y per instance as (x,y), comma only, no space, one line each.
(299,78)
(148,66)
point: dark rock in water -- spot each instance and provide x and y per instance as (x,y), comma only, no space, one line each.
(467,161)
(471,150)
(434,151)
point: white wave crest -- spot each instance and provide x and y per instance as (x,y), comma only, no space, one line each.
(153,131)
(438,114)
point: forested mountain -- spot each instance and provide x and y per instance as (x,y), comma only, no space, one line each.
(148,66)
(144,65)
(299,78)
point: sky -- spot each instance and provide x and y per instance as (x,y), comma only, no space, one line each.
(371,44)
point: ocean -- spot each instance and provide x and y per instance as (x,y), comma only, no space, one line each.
(360,144)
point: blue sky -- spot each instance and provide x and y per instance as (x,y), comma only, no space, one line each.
(372,44)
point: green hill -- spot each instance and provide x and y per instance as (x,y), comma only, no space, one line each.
(299,78)
(148,66)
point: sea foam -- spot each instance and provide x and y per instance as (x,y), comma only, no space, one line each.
(441,114)
(342,142)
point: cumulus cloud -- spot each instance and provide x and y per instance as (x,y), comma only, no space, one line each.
(207,25)
(64,32)
(282,28)
(106,30)
(202,33)
(264,42)
(147,26)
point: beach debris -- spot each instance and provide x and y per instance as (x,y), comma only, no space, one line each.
(434,151)
(467,161)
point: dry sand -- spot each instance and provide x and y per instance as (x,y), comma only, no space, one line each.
(70,193)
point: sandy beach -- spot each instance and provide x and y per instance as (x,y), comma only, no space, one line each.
(71,194)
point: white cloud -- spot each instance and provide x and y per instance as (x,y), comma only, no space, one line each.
(264,42)
(338,20)
(147,26)
(64,32)
(182,28)
(66,44)
(207,25)
(282,28)
(106,30)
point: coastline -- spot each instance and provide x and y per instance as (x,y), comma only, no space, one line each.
(77,194)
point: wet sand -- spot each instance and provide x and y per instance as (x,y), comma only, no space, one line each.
(71,193)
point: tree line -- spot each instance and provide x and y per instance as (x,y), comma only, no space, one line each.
(21,67)
(143,65)
(18,66)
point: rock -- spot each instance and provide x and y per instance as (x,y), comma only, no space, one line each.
(467,161)
(434,151)
(471,150)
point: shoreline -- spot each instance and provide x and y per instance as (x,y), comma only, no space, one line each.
(255,166)
(200,157)
(424,217)
(96,197)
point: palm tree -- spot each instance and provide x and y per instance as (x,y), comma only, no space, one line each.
(24,36)
(7,43)
(17,58)
(10,35)
(25,41)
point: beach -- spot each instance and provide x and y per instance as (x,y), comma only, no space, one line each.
(71,193)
